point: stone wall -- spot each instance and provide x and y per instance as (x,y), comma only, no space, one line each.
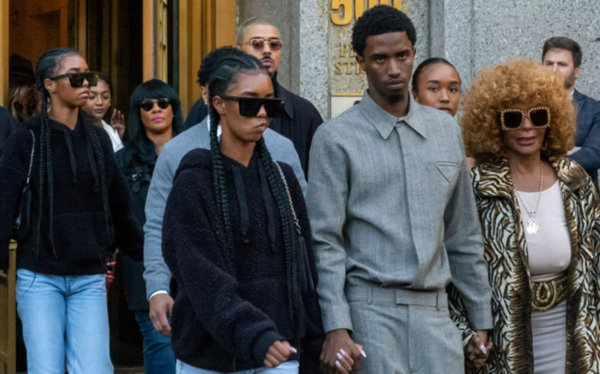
(518,28)
(471,34)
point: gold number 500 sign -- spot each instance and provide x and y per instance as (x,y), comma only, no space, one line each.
(349,9)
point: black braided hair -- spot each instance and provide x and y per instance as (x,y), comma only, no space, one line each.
(48,66)
(224,77)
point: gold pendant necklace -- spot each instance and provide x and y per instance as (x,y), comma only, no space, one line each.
(532,226)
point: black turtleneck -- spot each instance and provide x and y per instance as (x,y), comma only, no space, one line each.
(230,309)
(299,123)
(81,240)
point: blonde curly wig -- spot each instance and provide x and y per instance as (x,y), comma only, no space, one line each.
(497,88)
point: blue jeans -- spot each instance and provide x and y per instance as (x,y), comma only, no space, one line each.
(158,354)
(285,368)
(64,315)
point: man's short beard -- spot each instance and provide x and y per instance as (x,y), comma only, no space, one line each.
(570,81)
(396,98)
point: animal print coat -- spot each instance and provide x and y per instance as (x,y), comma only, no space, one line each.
(509,273)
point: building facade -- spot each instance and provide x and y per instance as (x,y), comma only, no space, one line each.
(134,40)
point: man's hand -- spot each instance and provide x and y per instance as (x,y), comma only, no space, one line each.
(338,342)
(160,305)
(478,350)
(278,353)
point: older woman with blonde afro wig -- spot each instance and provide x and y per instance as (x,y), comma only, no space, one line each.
(539,215)
(502,85)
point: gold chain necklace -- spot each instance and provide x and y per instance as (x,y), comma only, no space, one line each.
(532,226)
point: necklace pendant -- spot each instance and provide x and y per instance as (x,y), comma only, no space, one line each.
(532,227)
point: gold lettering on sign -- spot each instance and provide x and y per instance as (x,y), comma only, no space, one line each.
(344,11)
(345,63)
(344,49)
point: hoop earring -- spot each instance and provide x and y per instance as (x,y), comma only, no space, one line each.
(545,145)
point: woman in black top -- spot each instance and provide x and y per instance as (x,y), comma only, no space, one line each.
(80,205)
(246,277)
(154,119)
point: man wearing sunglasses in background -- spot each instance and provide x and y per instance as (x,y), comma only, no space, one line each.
(260,38)
(563,55)
(156,273)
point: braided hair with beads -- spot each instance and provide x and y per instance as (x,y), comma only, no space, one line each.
(47,67)
(221,80)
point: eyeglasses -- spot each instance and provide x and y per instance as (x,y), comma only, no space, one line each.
(259,44)
(77,79)
(250,106)
(512,119)
(149,104)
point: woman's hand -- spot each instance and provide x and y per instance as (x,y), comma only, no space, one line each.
(478,350)
(278,353)
(335,342)
(117,122)
(344,362)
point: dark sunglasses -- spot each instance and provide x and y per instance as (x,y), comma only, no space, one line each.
(162,104)
(250,106)
(512,119)
(259,44)
(77,79)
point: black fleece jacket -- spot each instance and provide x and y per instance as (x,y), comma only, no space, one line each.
(225,320)
(81,241)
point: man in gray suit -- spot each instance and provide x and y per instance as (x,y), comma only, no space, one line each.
(394,221)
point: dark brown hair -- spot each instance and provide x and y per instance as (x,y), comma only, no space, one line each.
(562,42)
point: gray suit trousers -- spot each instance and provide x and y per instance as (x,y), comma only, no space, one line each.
(405,332)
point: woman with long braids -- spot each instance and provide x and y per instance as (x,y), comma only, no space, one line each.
(237,238)
(79,208)
(154,119)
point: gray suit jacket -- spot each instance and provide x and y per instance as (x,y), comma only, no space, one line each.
(391,205)
(156,273)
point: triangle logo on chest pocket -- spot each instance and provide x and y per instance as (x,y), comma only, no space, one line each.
(447,169)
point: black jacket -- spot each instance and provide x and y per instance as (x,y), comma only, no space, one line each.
(225,320)
(197,114)
(138,175)
(299,123)
(8,124)
(82,242)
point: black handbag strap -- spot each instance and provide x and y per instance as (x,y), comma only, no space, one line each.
(287,191)
(31,158)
